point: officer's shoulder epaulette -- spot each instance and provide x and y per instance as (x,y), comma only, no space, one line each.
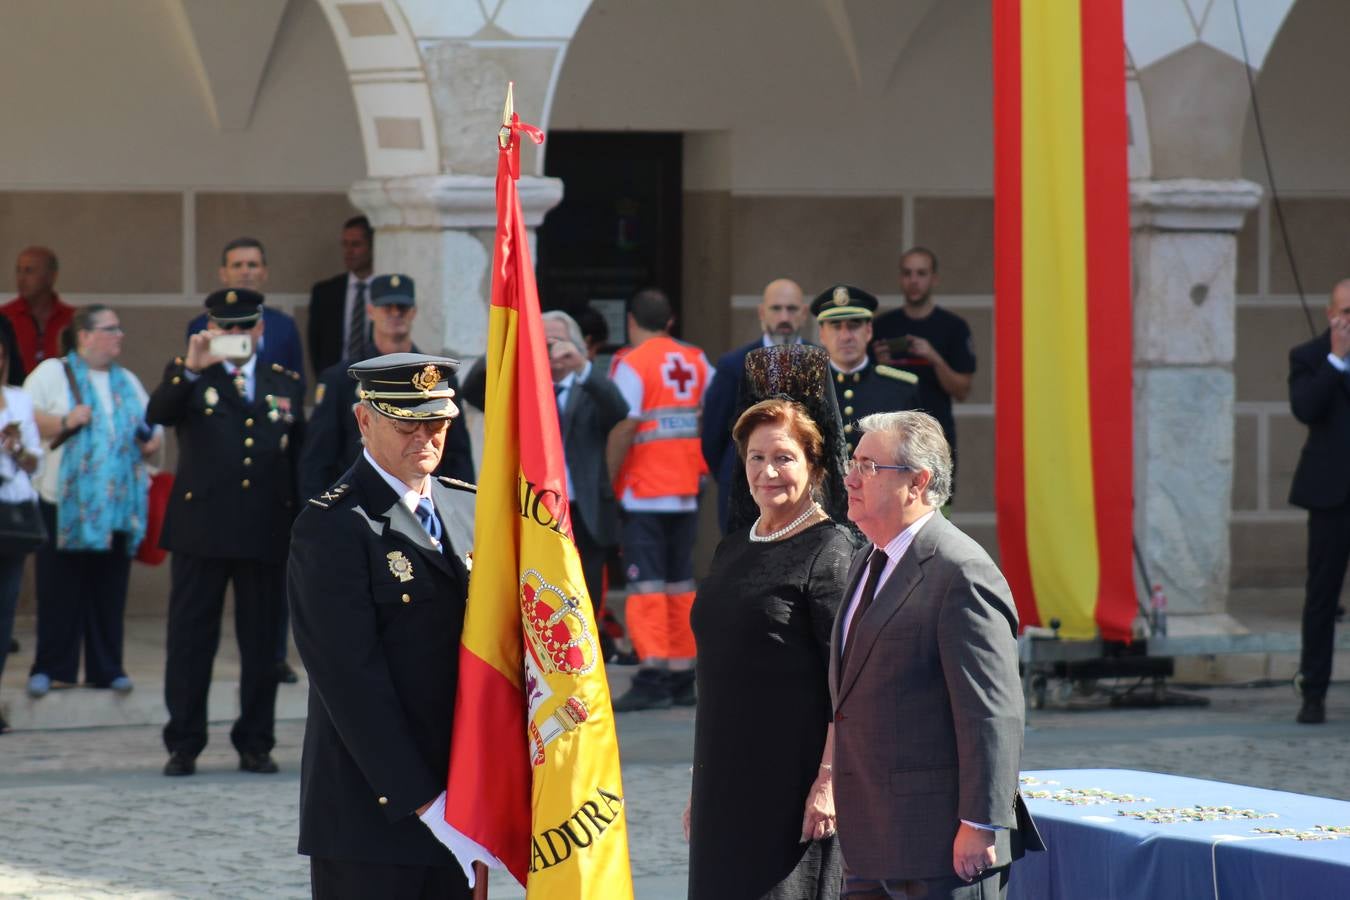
(898,374)
(457,484)
(278,367)
(330,497)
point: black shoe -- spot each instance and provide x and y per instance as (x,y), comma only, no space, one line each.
(622,658)
(180,764)
(682,688)
(1313,712)
(285,674)
(4,726)
(650,690)
(261,763)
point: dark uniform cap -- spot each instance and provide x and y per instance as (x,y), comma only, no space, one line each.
(410,387)
(392,290)
(234,306)
(843,301)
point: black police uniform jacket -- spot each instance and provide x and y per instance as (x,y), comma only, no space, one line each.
(234,493)
(377,612)
(872,389)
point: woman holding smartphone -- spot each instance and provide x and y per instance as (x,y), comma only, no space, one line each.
(92,489)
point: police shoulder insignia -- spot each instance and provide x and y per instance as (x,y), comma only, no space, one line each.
(457,484)
(278,367)
(898,374)
(330,496)
(319,392)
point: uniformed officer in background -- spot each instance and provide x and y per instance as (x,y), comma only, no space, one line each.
(332,440)
(844,315)
(239,425)
(378,580)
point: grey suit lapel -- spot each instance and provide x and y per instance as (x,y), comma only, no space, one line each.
(404,523)
(891,596)
(457,512)
(855,574)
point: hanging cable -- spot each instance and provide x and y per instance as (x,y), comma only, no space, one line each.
(1270,172)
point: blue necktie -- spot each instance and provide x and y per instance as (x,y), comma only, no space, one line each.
(426,514)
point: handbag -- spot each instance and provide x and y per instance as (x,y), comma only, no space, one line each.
(21,528)
(161,488)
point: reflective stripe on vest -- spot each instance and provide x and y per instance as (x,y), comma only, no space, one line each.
(665,459)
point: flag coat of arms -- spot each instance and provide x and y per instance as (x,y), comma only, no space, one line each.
(534,784)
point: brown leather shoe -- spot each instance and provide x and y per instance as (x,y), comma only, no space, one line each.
(1314,711)
(261,763)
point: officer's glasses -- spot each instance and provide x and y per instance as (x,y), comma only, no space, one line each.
(868,469)
(408,429)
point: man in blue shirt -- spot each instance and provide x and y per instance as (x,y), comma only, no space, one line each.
(243,264)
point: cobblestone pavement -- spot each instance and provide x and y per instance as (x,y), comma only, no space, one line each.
(87,814)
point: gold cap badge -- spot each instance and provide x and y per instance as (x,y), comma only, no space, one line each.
(393,281)
(231,297)
(840,296)
(427,379)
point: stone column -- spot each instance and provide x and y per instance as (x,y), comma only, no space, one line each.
(440,230)
(1185,263)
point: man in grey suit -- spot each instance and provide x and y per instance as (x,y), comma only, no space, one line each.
(589,406)
(928,710)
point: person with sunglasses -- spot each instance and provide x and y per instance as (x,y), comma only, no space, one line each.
(239,424)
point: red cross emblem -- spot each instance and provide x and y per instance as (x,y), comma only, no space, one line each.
(677,375)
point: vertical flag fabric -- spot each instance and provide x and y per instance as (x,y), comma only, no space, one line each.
(534,784)
(1063,394)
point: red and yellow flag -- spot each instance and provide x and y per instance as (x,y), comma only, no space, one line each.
(1062,313)
(534,782)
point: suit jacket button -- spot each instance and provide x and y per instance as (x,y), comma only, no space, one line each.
(248,460)
(848,395)
(248,423)
(848,410)
(248,442)
(209,411)
(188,495)
(244,483)
(407,599)
(177,380)
(384,801)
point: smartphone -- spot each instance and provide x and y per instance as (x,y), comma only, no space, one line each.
(898,346)
(231,346)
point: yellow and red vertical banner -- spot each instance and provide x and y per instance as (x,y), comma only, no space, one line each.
(534,783)
(1063,394)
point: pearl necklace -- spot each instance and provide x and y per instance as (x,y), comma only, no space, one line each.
(786,529)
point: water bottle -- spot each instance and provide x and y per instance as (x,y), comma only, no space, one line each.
(1157,611)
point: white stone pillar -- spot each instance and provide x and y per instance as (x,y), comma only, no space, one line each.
(1185,264)
(440,230)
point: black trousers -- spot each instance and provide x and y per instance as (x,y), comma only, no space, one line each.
(334,879)
(81,599)
(196,601)
(993,886)
(1328,555)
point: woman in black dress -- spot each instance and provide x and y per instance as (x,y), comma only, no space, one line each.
(761,816)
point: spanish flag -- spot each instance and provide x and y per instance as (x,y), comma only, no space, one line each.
(1062,314)
(534,784)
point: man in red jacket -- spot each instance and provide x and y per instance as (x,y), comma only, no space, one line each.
(37,315)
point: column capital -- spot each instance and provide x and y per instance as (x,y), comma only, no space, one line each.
(1192,204)
(437,202)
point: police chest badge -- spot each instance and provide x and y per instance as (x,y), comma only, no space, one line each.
(399,565)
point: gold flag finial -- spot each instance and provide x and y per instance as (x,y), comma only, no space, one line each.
(508,110)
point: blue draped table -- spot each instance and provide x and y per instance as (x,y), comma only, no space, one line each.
(1096,854)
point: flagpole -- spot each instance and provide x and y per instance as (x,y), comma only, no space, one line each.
(480,880)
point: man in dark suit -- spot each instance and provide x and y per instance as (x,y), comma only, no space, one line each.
(1319,394)
(589,406)
(337,305)
(925,647)
(332,438)
(782,312)
(239,425)
(378,579)
(243,264)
